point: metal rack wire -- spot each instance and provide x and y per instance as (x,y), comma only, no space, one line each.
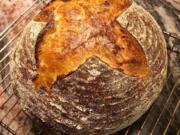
(13,121)
(12,118)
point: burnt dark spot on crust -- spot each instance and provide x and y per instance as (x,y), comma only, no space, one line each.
(132,61)
(117,49)
(120,64)
(124,36)
(106,3)
(34,78)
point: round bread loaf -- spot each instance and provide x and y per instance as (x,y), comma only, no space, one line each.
(81,69)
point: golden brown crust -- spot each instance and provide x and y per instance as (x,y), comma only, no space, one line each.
(75,33)
(95,99)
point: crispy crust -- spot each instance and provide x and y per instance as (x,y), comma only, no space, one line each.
(94,99)
(75,33)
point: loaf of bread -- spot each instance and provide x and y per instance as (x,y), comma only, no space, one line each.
(89,67)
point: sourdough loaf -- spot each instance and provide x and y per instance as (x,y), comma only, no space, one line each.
(83,71)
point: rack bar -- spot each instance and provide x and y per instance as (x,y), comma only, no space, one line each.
(4,67)
(17,130)
(5,89)
(7,128)
(9,111)
(4,78)
(6,56)
(178,105)
(13,39)
(171,35)
(2,106)
(18,113)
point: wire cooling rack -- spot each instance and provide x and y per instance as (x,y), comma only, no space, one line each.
(162,118)
(13,121)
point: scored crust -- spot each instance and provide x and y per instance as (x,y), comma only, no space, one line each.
(75,33)
(96,98)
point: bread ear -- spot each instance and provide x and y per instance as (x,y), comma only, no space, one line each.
(131,58)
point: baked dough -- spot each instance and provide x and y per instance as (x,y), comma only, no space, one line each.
(87,92)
